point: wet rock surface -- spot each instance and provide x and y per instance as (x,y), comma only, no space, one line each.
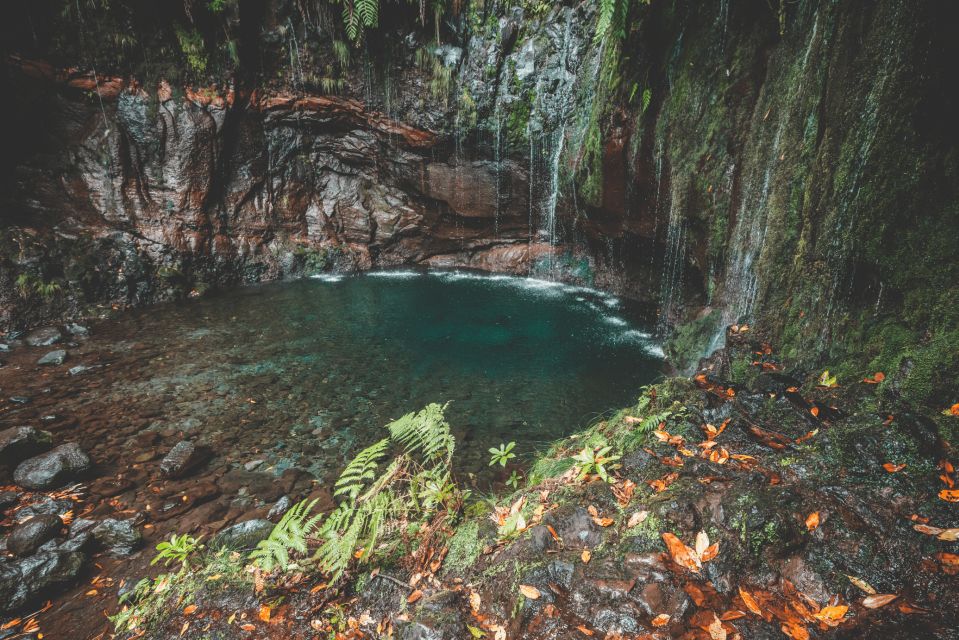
(56,467)
(183,458)
(244,535)
(28,536)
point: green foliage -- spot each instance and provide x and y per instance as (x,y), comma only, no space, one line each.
(415,484)
(359,15)
(595,460)
(27,283)
(178,549)
(290,533)
(502,455)
(191,44)
(513,480)
(611,21)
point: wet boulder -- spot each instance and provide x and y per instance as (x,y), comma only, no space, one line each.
(28,536)
(46,506)
(118,537)
(43,337)
(184,457)
(53,468)
(27,579)
(244,535)
(18,443)
(57,357)
(437,617)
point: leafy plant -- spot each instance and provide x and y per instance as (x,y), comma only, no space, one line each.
(359,15)
(513,480)
(178,549)
(290,533)
(594,461)
(502,454)
(27,282)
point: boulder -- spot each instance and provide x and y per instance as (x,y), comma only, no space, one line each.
(53,358)
(244,535)
(43,337)
(183,458)
(118,537)
(27,579)
(52,468)
(19,443)
(46,506)
(28,536)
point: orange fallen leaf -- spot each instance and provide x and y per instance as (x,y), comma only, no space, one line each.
(815,412)
(750,602)
(636,519)
(878,600)
(893,468)
(264,613)
(877,377)
(189,609)
(530,592)
(681,554)
(949,495)
(553,534)
(585,631)
(832,615)
(716,630)
(413,597)
(661,620)
(248,627)
(795,631)
(92,592)
(586,556)
(812,521)
(954,409)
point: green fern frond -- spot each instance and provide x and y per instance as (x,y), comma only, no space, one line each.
(290,533)
(425,432)
(360,469)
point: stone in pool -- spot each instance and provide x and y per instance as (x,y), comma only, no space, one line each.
(54,357)
(244,535)
(17,443)
(183,458)
(53,468)
(29,578)
(27,536)
(43,337)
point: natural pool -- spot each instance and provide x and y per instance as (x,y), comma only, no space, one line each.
(304,373)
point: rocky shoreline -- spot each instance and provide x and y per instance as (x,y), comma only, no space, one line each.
(817,496)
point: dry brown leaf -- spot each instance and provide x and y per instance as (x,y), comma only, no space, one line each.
(710,552)
(862,584)
(585,631)
(878,600)
(636,519)
(661,620)
(832,615)
(189,609)
(586,556)
(716,630)
(750,602)
(949,495)
(795,631)
(248,627)
(949,535)
(928,530)
(812,521)
(702,543)
(893,468)
(530,592)
(264,613)
(413,597)
(681,554)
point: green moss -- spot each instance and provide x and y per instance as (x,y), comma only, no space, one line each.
(464,548)
(689,341)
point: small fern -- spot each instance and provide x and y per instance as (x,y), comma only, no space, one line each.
(426,432)
(289,534)
(360,469)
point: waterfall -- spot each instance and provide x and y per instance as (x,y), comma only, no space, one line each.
(674,263)
(497,162)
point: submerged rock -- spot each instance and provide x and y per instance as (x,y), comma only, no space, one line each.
(43,337)
(44,507)
(28,536)
(53,468)
(244,535)
(53,358)
(17,443)
(119,537)
(27,579)
(183,458)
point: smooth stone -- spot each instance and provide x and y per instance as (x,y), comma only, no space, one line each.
(43,337)
(77,329)
(18,443)
(9,498)
(119,537)
(52,468)
(252,464)
(183,458)
(244,535)
(277,510)
(20,399)
(78,369)
(53,358)
(28,536)
(45,506)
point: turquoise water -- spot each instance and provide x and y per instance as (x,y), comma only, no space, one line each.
(304,373)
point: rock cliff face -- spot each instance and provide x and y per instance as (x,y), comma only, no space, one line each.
(795,167)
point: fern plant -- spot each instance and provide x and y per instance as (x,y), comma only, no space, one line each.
(289,534)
